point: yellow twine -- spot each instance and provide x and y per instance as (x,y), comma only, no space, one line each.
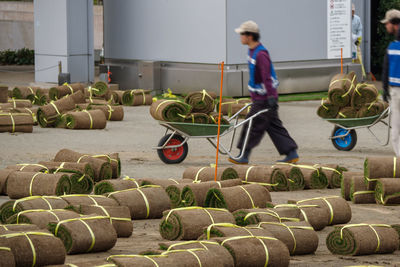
(55,107)
(248,194)
(195,208)
(33,198)
(59,167)
(39,210)
(193,242)
(90,117)
(198,173)
(70,88)
(31,184)
(110,111)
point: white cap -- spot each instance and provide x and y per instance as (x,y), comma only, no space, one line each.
(248,26)
(391,14)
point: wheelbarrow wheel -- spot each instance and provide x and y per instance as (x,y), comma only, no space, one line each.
(346,143)
(173,155)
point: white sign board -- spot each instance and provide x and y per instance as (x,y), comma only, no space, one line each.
(339,28)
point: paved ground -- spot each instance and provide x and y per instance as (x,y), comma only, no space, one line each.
(134,138)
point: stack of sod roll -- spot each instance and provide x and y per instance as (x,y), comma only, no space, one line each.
(231,106)
(197,107)
(349,99)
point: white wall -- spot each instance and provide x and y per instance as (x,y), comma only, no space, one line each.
(169,30)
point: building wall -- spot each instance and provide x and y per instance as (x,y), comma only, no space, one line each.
(17,29)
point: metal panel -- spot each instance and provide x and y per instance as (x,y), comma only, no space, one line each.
(167,30)
(291,30)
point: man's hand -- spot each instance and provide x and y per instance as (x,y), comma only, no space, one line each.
(357,42)
(273,102)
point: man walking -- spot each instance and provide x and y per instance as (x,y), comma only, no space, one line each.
(391,75)
(263,84)
(356,30)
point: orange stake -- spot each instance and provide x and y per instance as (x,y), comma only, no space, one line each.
(221,67)
(341,60)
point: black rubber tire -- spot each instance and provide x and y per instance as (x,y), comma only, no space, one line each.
(342,145)
(162,154)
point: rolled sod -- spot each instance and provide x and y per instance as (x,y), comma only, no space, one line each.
(327,110)
(108,186)
(229,230)
(246,217)
(313,214)
(362,239)
(118,94)
(100,88)
(112,113)
(380,167)
(20,103)
(80,183)
(264,251)
(12,207)
(211,246)
(397,228)
(371,109)
(341,88)
(334,174)
(162,182)
(200,118)
(102,169)
(85,234)
(137,97)
(214,119)
(174,193)
(22,227)
(347,113)
(339,209)
(169,110)
(293,174)
(194,194)
(4,94)
(201,101)
(299,237)
(314,177)
(81,199)
(119,217)
(49,115)
(4,173)
(387,191)
(114,160)
(357,184)
(364,197)
(68,167)
(345,184)
(6,255)
(41,218)
(279,180)
(88,119)
(58,92)
(143,203)
(25,92)
(48,250)
(205,174)
(188,223)
(238,197)
(363,94)
(16,122)
(255,174)
(25,184)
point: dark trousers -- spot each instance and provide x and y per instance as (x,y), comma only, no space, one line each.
(266,122)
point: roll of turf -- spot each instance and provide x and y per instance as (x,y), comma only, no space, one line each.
(371,109)
(58,92)
(143,203)
(299,237)
(246,217)
(293,174)
(188,223)
(314,177)
(35,248)
(357,184)
(174,193)
(341,88)
(100,88)
(22,227)
(12,207)
(279,180)
(119,217)
(80,183)
(364,93)
(327,110)
(387,191)
(85,234)
(214,119)
(362,239)
(229,230)
(108,186)
(16,122)
(112,113)
(6,255)
(264,251)
(238,197)
(346,182)
(87,119)
(81,199)
(169,110)
(163,182)
(194,194)
(102,169)
(41,218)
(3,180)
(137,97)
(202,102)
(339,209)
(255,174)
(380,167)
(68,167)
(347,113)
(200,118)
(114,160)
(205,174)
(25,184)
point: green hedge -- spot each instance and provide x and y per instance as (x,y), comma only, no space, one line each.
(22,56)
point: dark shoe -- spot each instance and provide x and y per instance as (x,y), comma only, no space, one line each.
(291,157)
(243,160)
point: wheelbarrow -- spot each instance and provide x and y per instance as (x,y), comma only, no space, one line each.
(173,146)
(344,136)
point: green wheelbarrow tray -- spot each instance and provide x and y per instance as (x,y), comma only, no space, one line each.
(358,122)
(196,129)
